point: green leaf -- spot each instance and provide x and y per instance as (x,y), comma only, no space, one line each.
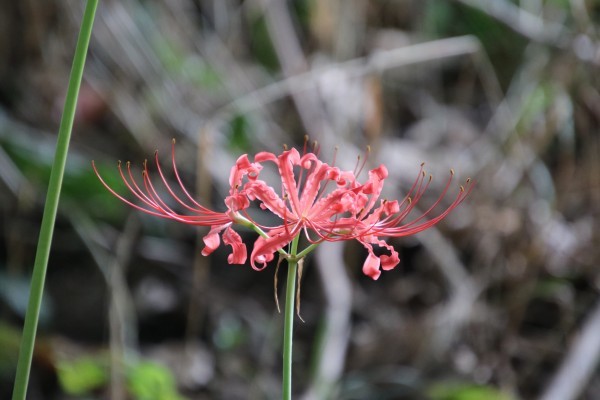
(240,130)
(466,391)
(81,376)
(151,381)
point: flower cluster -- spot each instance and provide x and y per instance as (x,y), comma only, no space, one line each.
(316,199)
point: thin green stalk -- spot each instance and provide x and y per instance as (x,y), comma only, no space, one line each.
(307,250)
(239,219)
(51,206)
(288,330)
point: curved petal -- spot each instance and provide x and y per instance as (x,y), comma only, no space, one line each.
(212,240)
(388,262)
(243,167)
(338,201)
(313,183)
(287,160)
(265,156)
(371,265)
(373,187)
(237,202)
(266,194)
(264,248)
(239,253)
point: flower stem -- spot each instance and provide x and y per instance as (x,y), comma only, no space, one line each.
(239,219)
(51,205)
(288,331)
(307,250)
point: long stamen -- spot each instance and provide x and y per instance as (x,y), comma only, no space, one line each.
(334,158)
(367,152)
(356,165)
(118,196)
(181,185)
(413,226)
(135,189)
(171,192)
(412,197)
(304,147)
(434,205)
(157,206)
(154,194)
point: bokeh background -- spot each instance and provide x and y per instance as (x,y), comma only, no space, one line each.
(500,301)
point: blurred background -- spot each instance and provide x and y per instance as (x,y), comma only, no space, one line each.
(499,301)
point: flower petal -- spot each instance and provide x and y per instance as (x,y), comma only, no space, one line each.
(338,201)
(265,156)
(239,253)
(314,179)
(237,202)
(373,187)
(242,167)
(212,240)
(388,262)
(264,248)
(371,265)
(287,160)
(265,193)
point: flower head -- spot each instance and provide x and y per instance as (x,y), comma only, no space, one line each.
(315,199)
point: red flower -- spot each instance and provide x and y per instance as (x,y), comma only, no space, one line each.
(318,199)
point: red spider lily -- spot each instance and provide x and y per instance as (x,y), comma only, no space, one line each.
(347,212)
(194,213)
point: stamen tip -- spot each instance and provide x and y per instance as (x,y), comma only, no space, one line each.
(462,188)
(285,147)
(422,164)
(468,180)
(452,171)
(118,163)
(173,140)
(430,177)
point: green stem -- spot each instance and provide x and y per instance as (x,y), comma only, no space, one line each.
(51,206)
(307,250)
(239,219)
(288,331)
